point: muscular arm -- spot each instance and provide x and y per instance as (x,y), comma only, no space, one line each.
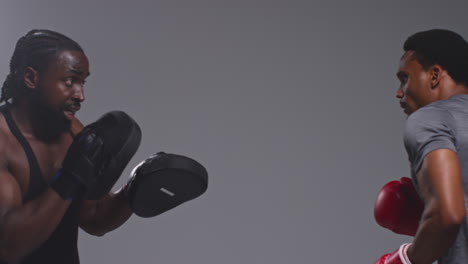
(442,191)
(104,215)
(24,227)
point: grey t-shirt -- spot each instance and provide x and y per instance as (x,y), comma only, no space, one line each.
(442,125)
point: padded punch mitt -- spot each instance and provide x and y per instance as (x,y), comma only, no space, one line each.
(121,137)
(164,181)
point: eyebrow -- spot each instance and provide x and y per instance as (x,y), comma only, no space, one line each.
(78,72)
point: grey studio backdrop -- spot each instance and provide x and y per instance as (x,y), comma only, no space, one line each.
(289,104)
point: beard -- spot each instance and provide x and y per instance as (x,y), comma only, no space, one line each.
(49,123)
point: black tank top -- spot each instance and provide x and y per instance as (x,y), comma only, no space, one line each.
(61,246)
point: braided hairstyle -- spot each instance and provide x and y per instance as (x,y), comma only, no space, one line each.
(36,49)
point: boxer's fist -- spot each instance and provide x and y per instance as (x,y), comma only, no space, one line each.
(398,207)
(397,257)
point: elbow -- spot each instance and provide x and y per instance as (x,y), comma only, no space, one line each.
(98,234)
(453,218)
(447,216)
(9,250)
(93,231)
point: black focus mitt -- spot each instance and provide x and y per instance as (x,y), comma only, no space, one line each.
(121,138)
(164,181)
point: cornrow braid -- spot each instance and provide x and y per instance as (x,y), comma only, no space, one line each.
(36,49)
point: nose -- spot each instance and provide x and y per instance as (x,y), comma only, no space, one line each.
(78,93)
(400,93)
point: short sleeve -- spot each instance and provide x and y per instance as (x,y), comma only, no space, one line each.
(426,130)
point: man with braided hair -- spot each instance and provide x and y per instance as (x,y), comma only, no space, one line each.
(44,171)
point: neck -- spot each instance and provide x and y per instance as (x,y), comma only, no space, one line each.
(453,90)
(22,113)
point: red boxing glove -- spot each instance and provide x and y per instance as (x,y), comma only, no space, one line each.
(397,257)
(398,207)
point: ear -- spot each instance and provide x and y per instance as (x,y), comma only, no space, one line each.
(31,77)
(435,74)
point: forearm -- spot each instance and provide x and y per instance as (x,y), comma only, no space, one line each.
(111,212)
(433,239)
(24,228)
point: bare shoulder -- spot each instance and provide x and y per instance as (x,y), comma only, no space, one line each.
(5,140)
(10,192)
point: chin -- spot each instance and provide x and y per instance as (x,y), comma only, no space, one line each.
(51,124)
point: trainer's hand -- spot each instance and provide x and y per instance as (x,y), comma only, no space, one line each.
(79,165)
(97,156)
(398,207)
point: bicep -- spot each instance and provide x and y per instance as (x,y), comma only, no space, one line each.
(440,183)
(10,192)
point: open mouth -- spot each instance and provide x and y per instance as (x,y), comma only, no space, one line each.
(70,111)
(69,114)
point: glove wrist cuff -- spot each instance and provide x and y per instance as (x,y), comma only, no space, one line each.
(402,253)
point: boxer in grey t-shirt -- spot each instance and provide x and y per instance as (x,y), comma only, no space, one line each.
(433,92)
(442,125)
